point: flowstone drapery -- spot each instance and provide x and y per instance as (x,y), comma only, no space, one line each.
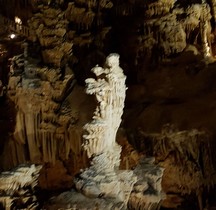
(102,178)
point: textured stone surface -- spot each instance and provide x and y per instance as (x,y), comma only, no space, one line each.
(102,178)
(50,28)
(147,192)
(155,30)
(17,187)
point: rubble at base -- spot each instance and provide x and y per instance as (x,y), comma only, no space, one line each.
(17,187)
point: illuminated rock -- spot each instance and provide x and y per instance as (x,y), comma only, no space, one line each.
(103,178)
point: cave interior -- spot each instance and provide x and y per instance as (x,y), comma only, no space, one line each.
(155,150)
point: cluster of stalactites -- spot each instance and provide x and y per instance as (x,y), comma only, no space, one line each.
(158,8)
(181,153)
(169,35)
(84,13)
(43,125)
(104,4)
(45,141)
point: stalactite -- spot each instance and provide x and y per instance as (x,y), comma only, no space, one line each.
(30,136)
(19,133)
(44,146)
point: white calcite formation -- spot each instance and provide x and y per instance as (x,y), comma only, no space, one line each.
(103,178)
(17,187)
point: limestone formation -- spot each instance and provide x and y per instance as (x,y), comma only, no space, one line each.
(161,29)
(157,8)
(103,185)
(205,29)
(87,22)
(147,193)
(43,123)
(50,27)
(103,178)
(17,187)
(186,154)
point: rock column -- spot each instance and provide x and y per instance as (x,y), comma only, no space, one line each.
(205,28)
(103,178)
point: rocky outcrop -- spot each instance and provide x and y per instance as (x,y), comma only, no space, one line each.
(147,193)
(50,28)
(44,122)
(187,154)
(56,176)
(87,22)
(86,13)
(159,30)
(17,187)
(45,128)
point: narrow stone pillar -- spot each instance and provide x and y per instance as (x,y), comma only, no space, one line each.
(205,29)
(103,178)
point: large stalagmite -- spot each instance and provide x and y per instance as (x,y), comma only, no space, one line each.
(103,178)
(103,185)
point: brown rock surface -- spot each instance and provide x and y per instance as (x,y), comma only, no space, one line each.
(55,177)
